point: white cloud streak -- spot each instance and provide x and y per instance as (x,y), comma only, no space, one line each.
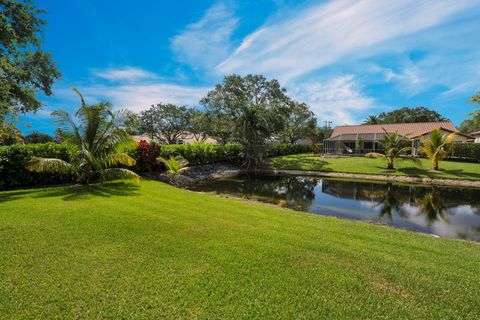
(339,99)
(138,97)
(126,74)
(323,34)
(206,42)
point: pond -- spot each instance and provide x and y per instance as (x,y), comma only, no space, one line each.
(443,211)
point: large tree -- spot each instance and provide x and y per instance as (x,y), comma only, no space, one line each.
(299,122)
(25,68)
(256,107)
(165,122)
(220,127)
(199,123)
(406,115)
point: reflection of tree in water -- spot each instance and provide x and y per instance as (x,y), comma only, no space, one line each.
(295,192)
(433,207)
(390,202)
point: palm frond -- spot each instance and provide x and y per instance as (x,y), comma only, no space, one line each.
(38,164)
(119,159)
(118,174)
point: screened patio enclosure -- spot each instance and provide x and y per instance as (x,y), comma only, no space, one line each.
(360,143)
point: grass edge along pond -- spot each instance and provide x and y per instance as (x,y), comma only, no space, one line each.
(121,250)
(362,165)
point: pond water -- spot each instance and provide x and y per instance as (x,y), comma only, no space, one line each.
(443,211)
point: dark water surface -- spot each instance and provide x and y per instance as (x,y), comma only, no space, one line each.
(443,211)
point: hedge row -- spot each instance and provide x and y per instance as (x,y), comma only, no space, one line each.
(13,160)
(203,153)
(466,152)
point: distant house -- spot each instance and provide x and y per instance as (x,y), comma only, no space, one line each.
(364,138)
(476,136)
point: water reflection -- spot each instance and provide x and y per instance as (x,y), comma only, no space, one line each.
(448,212)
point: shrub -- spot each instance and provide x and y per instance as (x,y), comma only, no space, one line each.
(14,158)
(465,152)
(276,150)
(204,153)
(146,156)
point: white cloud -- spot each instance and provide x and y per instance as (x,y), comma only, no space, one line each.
(323,34)
(138,97)
(339,99)
(126,74)
(206,42)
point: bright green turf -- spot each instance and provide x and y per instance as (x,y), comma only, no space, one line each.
(153,251)
(448,169)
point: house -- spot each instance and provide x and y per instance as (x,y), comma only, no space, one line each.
(476,136)
(361,139)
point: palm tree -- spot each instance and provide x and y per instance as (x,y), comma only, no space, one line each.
(175,166)
(437,146)
(99,143)
(372,120)
(393,144)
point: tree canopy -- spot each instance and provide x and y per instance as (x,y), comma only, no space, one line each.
(25,68)
(472,124)
(256,107)
(406,115)
(165,122)
(299,122)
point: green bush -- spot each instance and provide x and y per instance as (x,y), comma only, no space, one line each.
(466,152)
(276,150)
(204,153)
(14,158)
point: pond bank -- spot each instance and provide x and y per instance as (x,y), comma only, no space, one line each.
(377,177)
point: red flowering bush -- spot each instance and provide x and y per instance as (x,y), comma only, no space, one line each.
(147,154)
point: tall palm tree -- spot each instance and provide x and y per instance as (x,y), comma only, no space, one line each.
(99,141)
(437,146)
(393,144)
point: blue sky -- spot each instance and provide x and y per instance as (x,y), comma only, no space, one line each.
(345,58)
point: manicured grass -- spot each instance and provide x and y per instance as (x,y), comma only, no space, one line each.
(448,169)
(152,251)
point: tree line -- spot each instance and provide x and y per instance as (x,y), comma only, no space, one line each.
(250,110)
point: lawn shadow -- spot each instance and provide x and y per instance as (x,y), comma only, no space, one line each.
(75,192)
(296,163)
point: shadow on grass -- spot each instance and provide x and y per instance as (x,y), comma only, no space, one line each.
(76,192)
(297,163)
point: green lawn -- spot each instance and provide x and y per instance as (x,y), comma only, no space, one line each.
(128,251)
(448,169)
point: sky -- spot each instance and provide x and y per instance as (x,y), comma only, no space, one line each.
(346,58)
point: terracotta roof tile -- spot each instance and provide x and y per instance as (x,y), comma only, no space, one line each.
(410,130)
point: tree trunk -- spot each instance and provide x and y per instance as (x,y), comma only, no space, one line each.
(390,164)
(435,165)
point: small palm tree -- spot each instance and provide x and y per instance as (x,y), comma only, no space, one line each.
(175,166)
(393,144)
(99,142)
(437,146)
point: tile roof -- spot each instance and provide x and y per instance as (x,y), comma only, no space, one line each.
(409,130)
